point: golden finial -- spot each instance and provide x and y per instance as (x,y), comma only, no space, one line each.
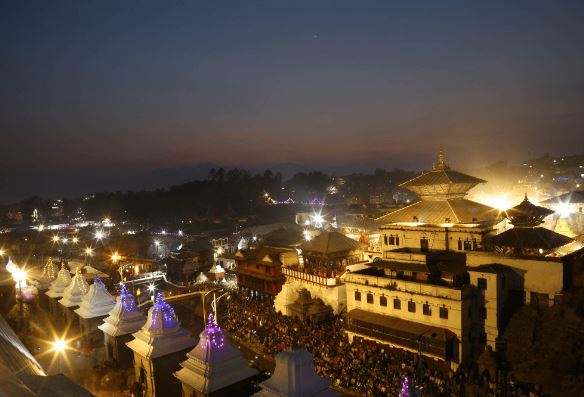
(441,163)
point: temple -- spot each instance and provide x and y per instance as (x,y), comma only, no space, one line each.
(74,292)
(57,287)
(123,320)
(295,376)
(214,367)
(320,269)
(445,277)
(158,348)
(97,302)
(49,274)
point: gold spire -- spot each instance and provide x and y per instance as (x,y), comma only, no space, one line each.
(441,163)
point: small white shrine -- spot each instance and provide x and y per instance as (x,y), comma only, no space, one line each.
(123,320)
(158,348)
(295,376)
(57,287)
(49,274)
(97,302)
(214,364)
(74,292)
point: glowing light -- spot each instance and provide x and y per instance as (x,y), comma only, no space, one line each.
(75,240)
(1,252)
(180,232)
(65,240)
(116,257)
(501,202)
(55,239)
(564,210)
(60,345)
(151,288)
(99,235)
(163,231)
(88,251)
(156,243)
(41,228)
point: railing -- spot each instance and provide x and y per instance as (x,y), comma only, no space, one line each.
(312,278)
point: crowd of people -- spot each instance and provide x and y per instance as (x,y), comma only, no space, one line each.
(362,367)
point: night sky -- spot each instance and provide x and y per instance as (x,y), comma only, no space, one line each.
(100,95)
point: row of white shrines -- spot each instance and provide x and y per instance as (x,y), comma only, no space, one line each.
(157,345)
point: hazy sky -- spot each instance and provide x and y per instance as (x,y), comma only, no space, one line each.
(95,92)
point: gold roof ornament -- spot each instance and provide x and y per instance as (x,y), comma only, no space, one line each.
(441,163)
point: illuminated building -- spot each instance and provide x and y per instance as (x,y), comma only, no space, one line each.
(259,268)
(445,276)
(214,367)
(122,321)
(158,348)
(323,261)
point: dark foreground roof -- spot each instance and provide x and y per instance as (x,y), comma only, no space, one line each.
(530,238)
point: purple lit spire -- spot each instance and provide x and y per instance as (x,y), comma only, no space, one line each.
(213,336)
(161,316)
(127,299)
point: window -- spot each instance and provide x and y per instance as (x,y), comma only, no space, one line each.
(411,306)
(467,245)
(385,240)
(460,245)
(397,304)
(357,296)
(426,309)
(369,298)
(444,313)
(382,301)
(482,283)
(424,246)
(393,240)
(483,313)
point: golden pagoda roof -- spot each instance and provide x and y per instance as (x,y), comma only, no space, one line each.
(441,182)
(454,211)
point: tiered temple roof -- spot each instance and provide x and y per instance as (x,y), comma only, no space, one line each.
(214,363)
(295,376)
(527,236)
(74,292)
(162,334)
(441,192)
(97,302)
(527,214)
(57,287)
(330,243)
(125,317)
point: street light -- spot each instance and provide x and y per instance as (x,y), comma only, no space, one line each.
(99,235)
(55,239)
(59,346)
(75,240)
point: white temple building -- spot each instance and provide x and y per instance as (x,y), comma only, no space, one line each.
(74,292)
(97,302)
(214,367)
(158,348)
(50,271)
(123,320)
(295,376)
(57,287)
